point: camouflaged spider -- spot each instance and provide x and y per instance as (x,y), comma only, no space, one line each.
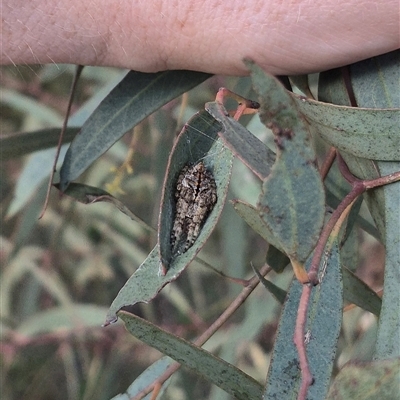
(195,196)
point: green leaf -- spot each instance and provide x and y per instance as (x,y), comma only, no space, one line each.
(133,99)
(293,200)
(30,180)
(215,370)
(27,105)
(357,292)
(277,260)
(40,162)
(367,381)
(371,131)
(388,340)
(301,82)
(197,141)
(244,145)
(323,325)
(363,132)
(20,144)
(86,194)
(375,84)
(146,378)
(142,286)
(66,318)
(200,142)
(252,217)
(276,291)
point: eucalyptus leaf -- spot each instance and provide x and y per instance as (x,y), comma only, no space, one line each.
(359,293)
(292,204)
(301,82)
(276,291)
(19,144)
(277,260)
(147,377)
(323,325)
(89,195)
(133,99)
(375,84)
(142,286)
(30,106)
(198,141)
(252,217)
(215,370)
(67,318)
(244,145)
(363,132)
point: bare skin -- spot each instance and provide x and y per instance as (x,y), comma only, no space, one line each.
(283,36)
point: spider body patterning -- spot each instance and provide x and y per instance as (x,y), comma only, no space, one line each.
(195,197)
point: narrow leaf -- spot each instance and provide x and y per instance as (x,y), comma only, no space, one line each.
(301,82)
(89,195)
(359,293)
(215,370)
(363,132)
(244,145)
(20,144)
(198,141)
(292,204)
(388,340)
(142,286)
(323,328)
(276,291)
(67,317)
(137,96)
(375,84)
(252,217)
(277,260)
(146,378)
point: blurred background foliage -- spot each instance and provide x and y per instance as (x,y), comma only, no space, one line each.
(60,274)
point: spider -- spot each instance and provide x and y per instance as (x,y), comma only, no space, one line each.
(195,196)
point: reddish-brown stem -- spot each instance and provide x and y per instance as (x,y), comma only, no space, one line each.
(245,293)
(370,183)
(329,159)
(306,376)
(245,106)
(358,187)
(344,170)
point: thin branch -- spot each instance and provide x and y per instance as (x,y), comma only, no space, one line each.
(60,140)
(326,166)
(326,232)
(301,320)
(298,339)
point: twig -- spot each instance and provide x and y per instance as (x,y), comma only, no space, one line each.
(298,339)
(326,166)
(60,140)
